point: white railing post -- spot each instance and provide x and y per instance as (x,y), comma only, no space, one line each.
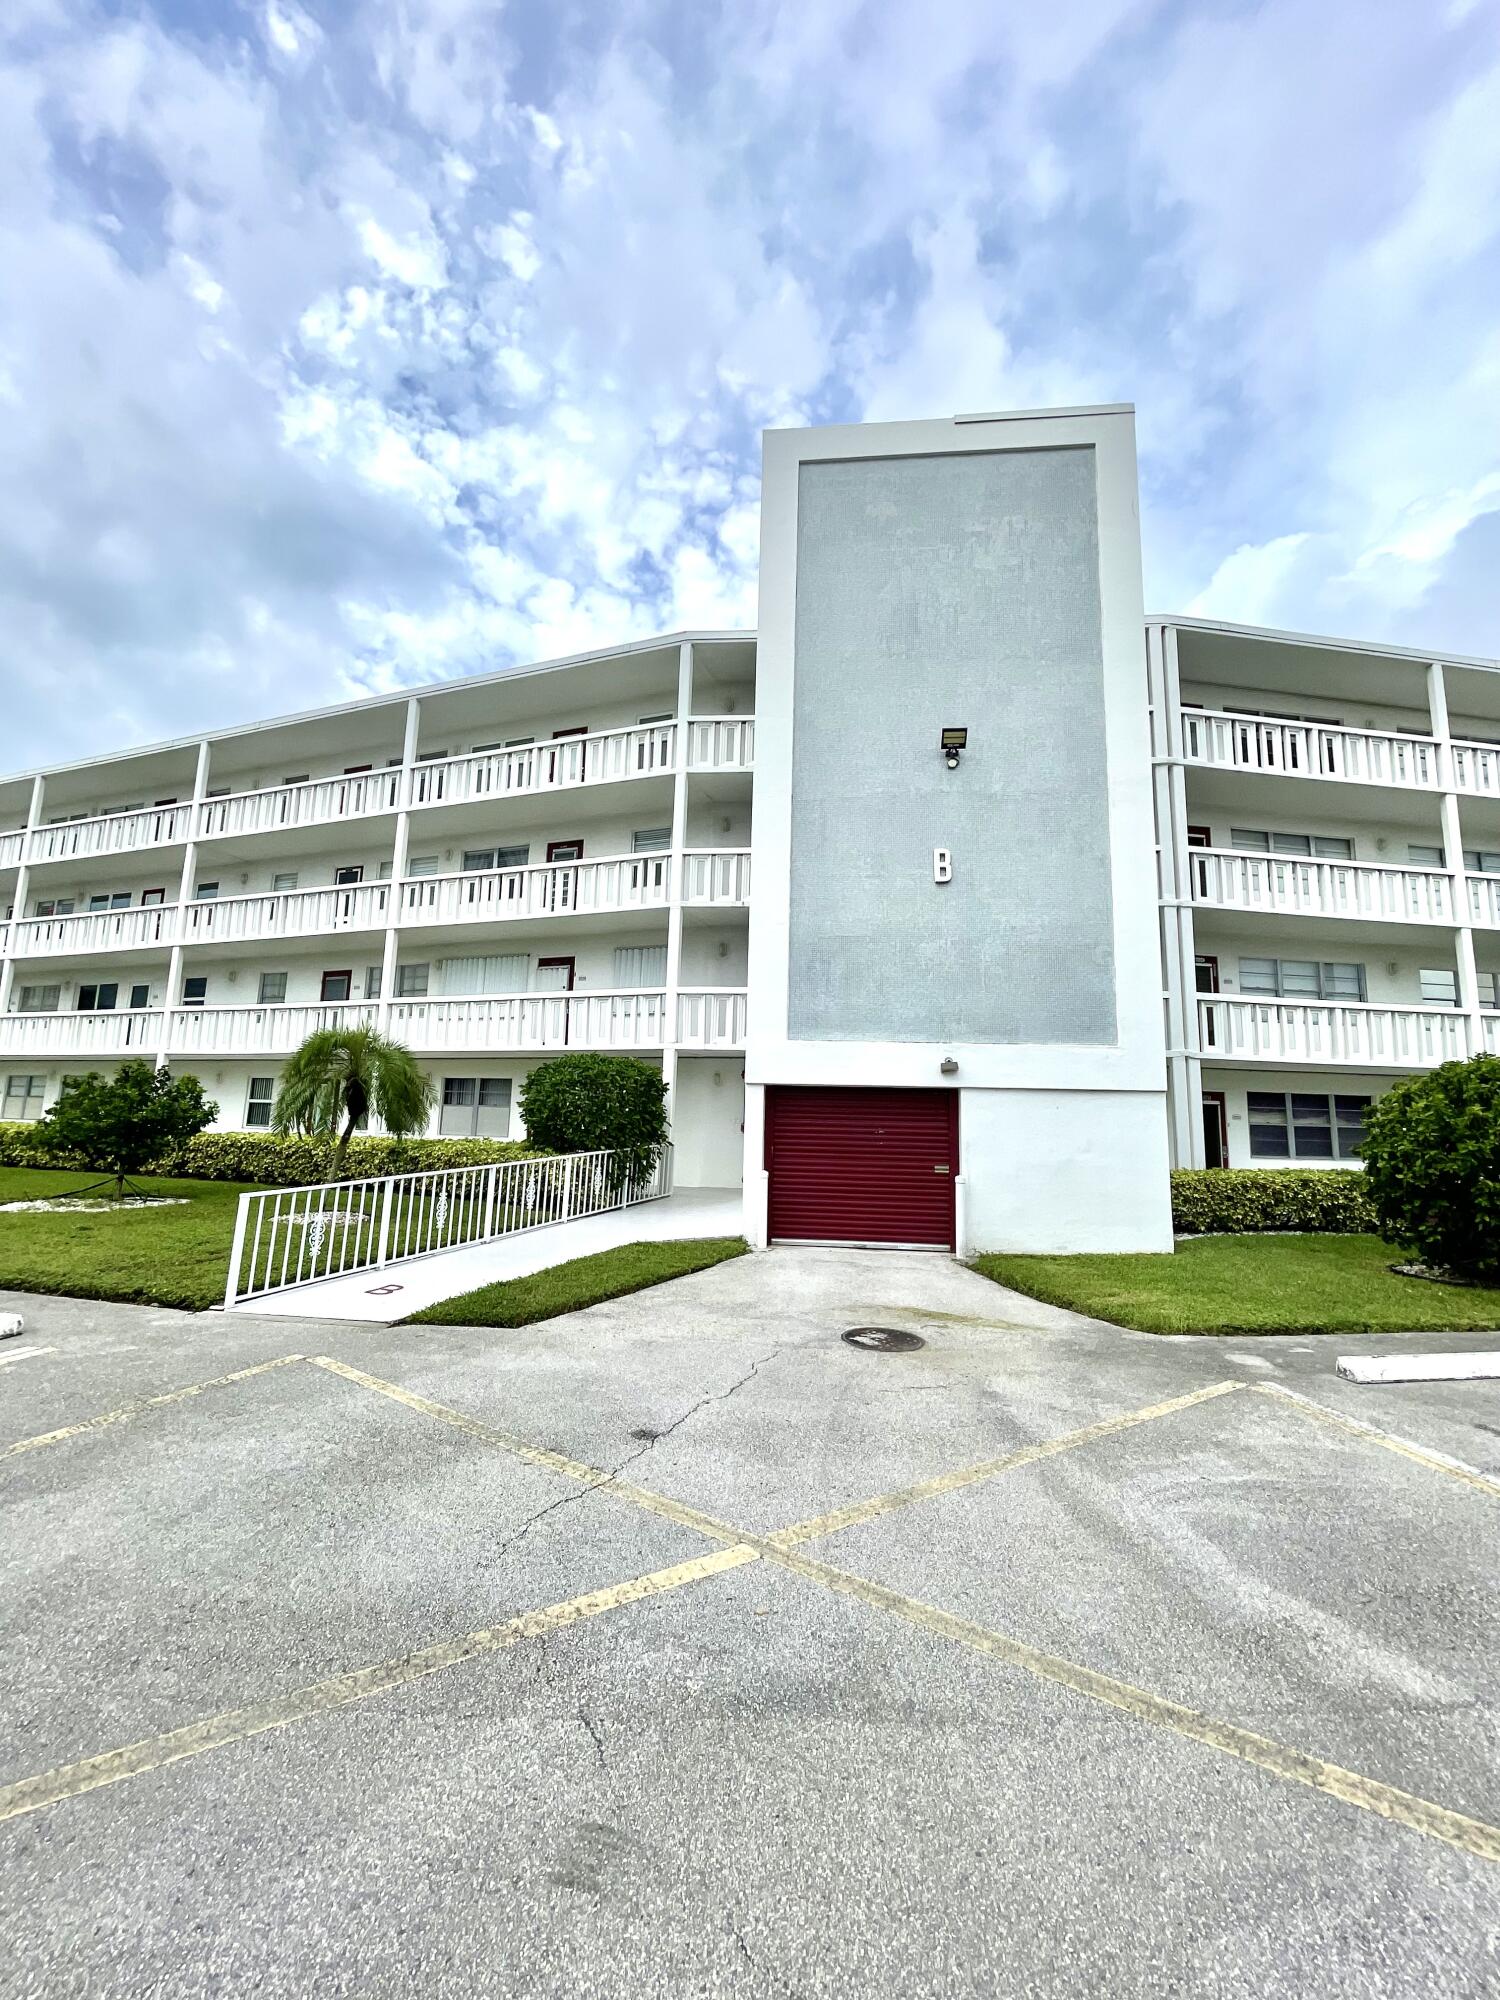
(383,1250)
(241,1219)
(567,1198)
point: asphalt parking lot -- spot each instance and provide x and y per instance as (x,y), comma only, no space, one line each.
(679,1647)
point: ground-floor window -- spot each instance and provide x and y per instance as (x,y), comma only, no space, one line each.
(258,1100)
(475,1107)
(23,1096)
(1305,1125)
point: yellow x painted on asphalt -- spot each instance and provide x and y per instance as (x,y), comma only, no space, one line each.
(735,1547)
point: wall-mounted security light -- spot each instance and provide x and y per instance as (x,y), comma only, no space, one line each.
(948,1066)
(953,742)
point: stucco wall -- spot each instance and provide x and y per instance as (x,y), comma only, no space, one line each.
(937,590)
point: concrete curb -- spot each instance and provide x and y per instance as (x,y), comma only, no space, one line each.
(1420,1367)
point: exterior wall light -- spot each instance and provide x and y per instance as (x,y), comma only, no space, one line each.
(948,1066)
(953,742)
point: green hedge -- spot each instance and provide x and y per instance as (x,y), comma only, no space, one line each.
(262,1158)
(1216,1201)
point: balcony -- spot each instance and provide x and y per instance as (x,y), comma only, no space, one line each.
(1309,750)
(290,913)
(94,930)
(556,889)
(110,833)
(1476,769)
(1328,1034)
(1291,885)
(564,763)
(707,1018)
(1484,901)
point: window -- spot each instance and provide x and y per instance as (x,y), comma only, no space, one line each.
(23,1096)
(1200,836)
(119,899)
(152,899)
(54,906)
(640,965)
(346,877)
(1301,1125)
(372,982)
(335,986)
(140,996)
(422,864)
(1324,846)
(651,840)
(430,756)
(475,1107)
(476,859)
(411,981)
(259,1099)
(297,778)
(1302,979)
(285,882)
(195,990)
(519,742)
(513,857)
(98,998)
(384,871)
(39,999)
(272,989)
(506,972)
(353,770)
(1420,855)
(1439,986)
(206,891)
(1482,861)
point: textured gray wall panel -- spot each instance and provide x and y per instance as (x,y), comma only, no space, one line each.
(935,591)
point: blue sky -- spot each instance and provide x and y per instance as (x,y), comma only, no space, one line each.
(358,343)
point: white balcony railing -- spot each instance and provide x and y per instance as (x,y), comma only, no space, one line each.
(505,1021)
(94,930)
(716,743)
(1242,1029)
(571,888)
(721,743)
(558,764)
(135,1031)
(1484,901)
(1292,885)
(1475,768)
(711,1017)
(1309,750)
(110,833)
(716,875)
(272,1030)
(358,796)
(287,913)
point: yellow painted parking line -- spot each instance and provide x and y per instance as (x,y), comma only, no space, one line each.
(550,1461)
(1473,1836)
(142,1404)
(69,1781)
(972,1475)
(1434,1461)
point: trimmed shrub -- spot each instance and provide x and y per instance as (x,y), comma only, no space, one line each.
(588,1103)
(1432,1159)
(1220,1201)
(263,1158)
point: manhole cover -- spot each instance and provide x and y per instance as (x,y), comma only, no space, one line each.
(884,1339)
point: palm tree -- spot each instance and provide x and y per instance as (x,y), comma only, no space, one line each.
(340,1075)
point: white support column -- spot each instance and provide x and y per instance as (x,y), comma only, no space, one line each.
(674,902)
(23,883)
(1453,858)
(186,884)
(1179,956)
(398,865)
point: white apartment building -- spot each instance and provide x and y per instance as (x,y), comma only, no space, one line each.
(1047,895)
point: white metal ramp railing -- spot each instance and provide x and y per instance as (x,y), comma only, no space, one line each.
(301,1235)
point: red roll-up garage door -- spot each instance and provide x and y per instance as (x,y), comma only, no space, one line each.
(862,1166)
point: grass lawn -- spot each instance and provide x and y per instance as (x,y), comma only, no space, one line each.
(585,1281)
(146,1256)
(1252,1284)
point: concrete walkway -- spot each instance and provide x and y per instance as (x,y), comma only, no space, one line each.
(382,1297)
